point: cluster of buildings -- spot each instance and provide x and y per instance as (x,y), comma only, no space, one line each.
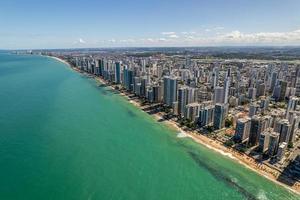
(261,100)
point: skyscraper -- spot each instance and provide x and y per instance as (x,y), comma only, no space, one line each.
(293,102)
(215,76)
(253,108)
(280,90)
(255,130)
(192,111)
(264,140)
(283,127)
(281,150)
(219,116)
(117,72)
(219,95)
(242,130)
(170,90)
(297,86)
(252,93)
(157,93)
(186,95)
(226,89)
(273,81)
(294,120)
(128,79)
(206,115)
(273,143)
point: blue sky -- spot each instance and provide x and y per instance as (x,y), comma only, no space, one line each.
(104,23)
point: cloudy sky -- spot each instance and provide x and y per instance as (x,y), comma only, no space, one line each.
(120,23)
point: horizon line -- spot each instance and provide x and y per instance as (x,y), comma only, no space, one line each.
(157,47)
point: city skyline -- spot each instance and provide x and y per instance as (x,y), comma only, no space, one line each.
(93,24)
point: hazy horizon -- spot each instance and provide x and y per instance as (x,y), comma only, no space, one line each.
(161,47)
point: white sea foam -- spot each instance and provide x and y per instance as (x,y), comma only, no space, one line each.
(226,154)
(233,179)
(181,134)
(262,195)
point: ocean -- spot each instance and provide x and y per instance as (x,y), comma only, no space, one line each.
(64,137)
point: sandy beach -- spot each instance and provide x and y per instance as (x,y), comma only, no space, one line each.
(243,159)
(60,60)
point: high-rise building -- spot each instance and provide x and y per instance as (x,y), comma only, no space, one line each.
(281,150)
(292,105)
(219,95)
(226,88)
(294,120)
(256,128)
(181,101)
(101,66)
(157,93)
(149,95)
(97,68)
(253,109)
(128,79)
(242,129)
(283,127)
(283,88)
(215,76)
(297,86)
(260,89)
(118,72)
(186,95)
(264,140)
(144,84)
(206,115)
(137,85)
(192,111)
(280,90)
(252,93)
(273,81)
(264,103)
(273,143)
(219,115)
(170,90)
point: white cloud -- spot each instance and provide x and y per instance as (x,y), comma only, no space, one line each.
(189,37)
(216,28)
(162,39)
(219,28)
(126,41)
(81,41)
(292,37)
(150,40)
(112,40)
(188,33)
(235,37)
(168,33)
(173,36)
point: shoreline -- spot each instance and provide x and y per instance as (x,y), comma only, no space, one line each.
(60,60)
(247,161)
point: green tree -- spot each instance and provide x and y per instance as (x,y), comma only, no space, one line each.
(290,145)
(229,122)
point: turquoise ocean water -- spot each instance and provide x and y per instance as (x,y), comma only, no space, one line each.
(62,137)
